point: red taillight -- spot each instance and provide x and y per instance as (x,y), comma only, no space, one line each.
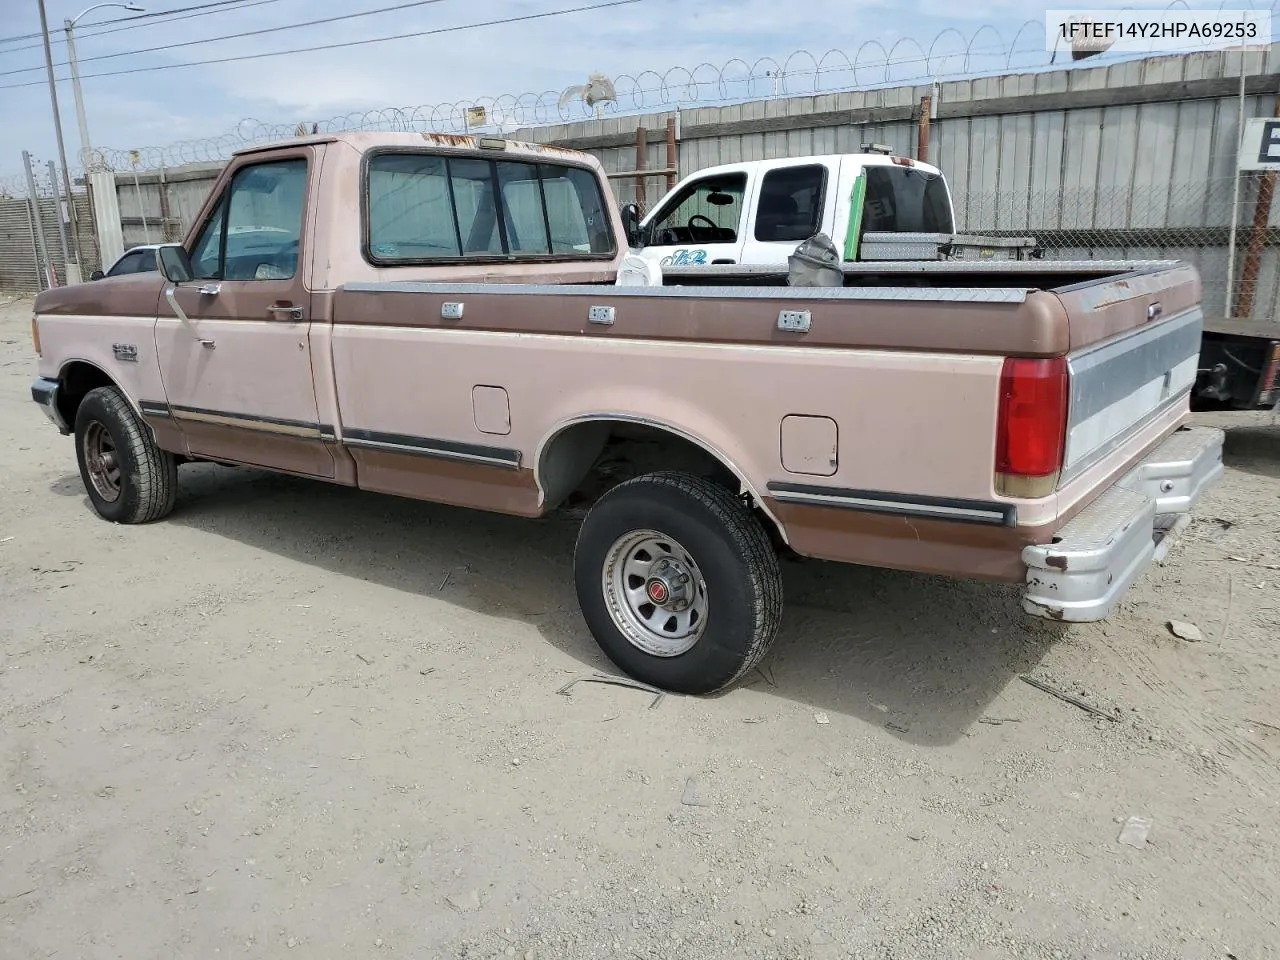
(1269,375)
(1031,428)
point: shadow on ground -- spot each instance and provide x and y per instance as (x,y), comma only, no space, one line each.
(920,656)
(1253,449)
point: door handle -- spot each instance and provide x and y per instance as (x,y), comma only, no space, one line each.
(723,261)
(285,310)
(209,289)
(207,344)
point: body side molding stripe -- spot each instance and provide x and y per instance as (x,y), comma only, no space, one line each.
(245,421)
(874,501)
(431,447)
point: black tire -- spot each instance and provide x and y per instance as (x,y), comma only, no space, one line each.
(728,546)
(143,477)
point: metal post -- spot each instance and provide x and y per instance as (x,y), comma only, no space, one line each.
(57,127)
(142,207)
(50,277)
(35,247)
(922,129)
(166,212)
(642,150)
(1257,236)
(1235,201)
(57,206)
(673,158)
(85,149)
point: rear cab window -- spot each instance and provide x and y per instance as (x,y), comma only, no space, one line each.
(423,207)
(905,200)
(790,204)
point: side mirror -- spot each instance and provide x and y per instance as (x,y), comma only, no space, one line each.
(631,225)
(174,263)
(97,275)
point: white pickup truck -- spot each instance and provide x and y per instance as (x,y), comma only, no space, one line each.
(874,206)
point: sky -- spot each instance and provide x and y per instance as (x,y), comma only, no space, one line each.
(158,107)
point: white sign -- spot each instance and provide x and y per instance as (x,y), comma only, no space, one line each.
(1089,32)
(1260,146)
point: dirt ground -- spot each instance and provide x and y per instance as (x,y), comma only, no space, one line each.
(297,720)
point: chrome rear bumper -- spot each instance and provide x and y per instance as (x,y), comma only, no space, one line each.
(1082,575)
(45,393)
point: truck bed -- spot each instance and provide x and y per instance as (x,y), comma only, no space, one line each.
(1017,274)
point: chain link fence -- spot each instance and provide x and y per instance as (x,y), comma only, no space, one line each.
(32,228)
(1193,222)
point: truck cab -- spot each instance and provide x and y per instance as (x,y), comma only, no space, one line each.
(758,211)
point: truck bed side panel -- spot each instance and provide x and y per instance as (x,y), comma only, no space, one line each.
(966,321)
(410,381)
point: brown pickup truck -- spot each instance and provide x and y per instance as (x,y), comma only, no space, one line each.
(445,318)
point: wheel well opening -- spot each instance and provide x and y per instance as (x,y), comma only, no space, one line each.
(76,380)
(586,460)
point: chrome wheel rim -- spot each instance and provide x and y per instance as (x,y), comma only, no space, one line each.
(102,460)
(655,593)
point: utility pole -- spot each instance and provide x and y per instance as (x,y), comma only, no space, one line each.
(57,208)
(86,151)
(73,270)
(81,121)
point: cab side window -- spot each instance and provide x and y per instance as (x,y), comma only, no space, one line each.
(790,207)
(705,211)
(255,229)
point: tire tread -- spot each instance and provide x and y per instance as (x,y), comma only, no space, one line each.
(156,480)
(747,535)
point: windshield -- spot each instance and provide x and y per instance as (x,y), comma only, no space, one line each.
(906,200)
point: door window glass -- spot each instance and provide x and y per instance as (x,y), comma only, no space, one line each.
(706,211)
(255,230)
(790,207)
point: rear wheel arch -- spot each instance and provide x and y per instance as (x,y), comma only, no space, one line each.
(567,454)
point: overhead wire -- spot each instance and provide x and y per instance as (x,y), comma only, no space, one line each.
(526,18)
(127,23)
(233,36)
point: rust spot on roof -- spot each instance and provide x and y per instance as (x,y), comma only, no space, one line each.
(450,139)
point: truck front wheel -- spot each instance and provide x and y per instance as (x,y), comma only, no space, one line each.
(678,582)
(128,478)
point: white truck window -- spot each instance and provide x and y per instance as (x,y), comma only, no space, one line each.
(790,205)
(905,200)
(705,211)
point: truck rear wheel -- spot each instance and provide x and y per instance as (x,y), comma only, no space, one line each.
(678,582)
(128,478)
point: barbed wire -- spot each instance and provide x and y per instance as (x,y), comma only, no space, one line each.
(950,55)
(15,184)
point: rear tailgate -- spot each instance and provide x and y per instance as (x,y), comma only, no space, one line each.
(1135,347)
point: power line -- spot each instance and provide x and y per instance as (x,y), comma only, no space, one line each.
(127,23)
(346,43)
(234,36)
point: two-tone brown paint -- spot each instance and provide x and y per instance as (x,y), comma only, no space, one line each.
(943,335)
(1034,327)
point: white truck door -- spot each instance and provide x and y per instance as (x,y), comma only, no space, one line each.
(792,201)
(701,223)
